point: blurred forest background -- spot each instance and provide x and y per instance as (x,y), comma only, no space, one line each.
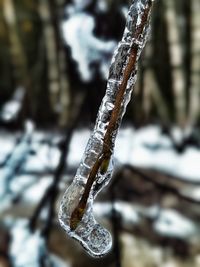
(54,62)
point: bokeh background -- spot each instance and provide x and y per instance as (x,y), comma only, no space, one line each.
(54,62)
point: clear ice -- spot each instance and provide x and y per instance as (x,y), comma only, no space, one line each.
(93,237)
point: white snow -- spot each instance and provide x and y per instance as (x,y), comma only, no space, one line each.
(26,248)
(30,189)
(193,191)
(58,262)
(80,4)
(11,108)
(7,143)
(172,224)
(77,146)
(36,191)
(167,222)
(85,47)
(102,5)
(46,159)
(147,148)
(129,214)
(8,172)
(21,182)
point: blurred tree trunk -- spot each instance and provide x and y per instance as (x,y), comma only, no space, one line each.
(19,62)
(27,57)
(153,101)
(57,76)
(187,41)
(176,62)
(194,111)
(5,62)
(160,59)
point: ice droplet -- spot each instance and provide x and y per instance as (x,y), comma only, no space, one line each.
(93,237)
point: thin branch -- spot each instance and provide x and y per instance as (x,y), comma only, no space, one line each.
(52,192)
(161,185)
(104,158)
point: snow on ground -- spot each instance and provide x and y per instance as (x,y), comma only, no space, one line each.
(127,211)
(34,193)
(27,188)
(58,262)
(44,159)
(77,146)
(172,224)
(26,248)
(151,149)
(147,148)
(7,144)
(20,182)
(192,191)
(166,222)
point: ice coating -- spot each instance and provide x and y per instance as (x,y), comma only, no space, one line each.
(98,153)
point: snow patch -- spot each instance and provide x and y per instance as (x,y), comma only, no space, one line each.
(172,224)
(147,148)
(36,191)
(87,49)
(26,248)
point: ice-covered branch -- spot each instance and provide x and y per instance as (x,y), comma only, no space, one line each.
(95,170)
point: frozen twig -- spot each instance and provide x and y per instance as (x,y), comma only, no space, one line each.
(95,169)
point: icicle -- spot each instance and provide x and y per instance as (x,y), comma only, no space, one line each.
(95,170)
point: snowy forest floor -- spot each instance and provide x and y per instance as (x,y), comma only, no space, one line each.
(152,205)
